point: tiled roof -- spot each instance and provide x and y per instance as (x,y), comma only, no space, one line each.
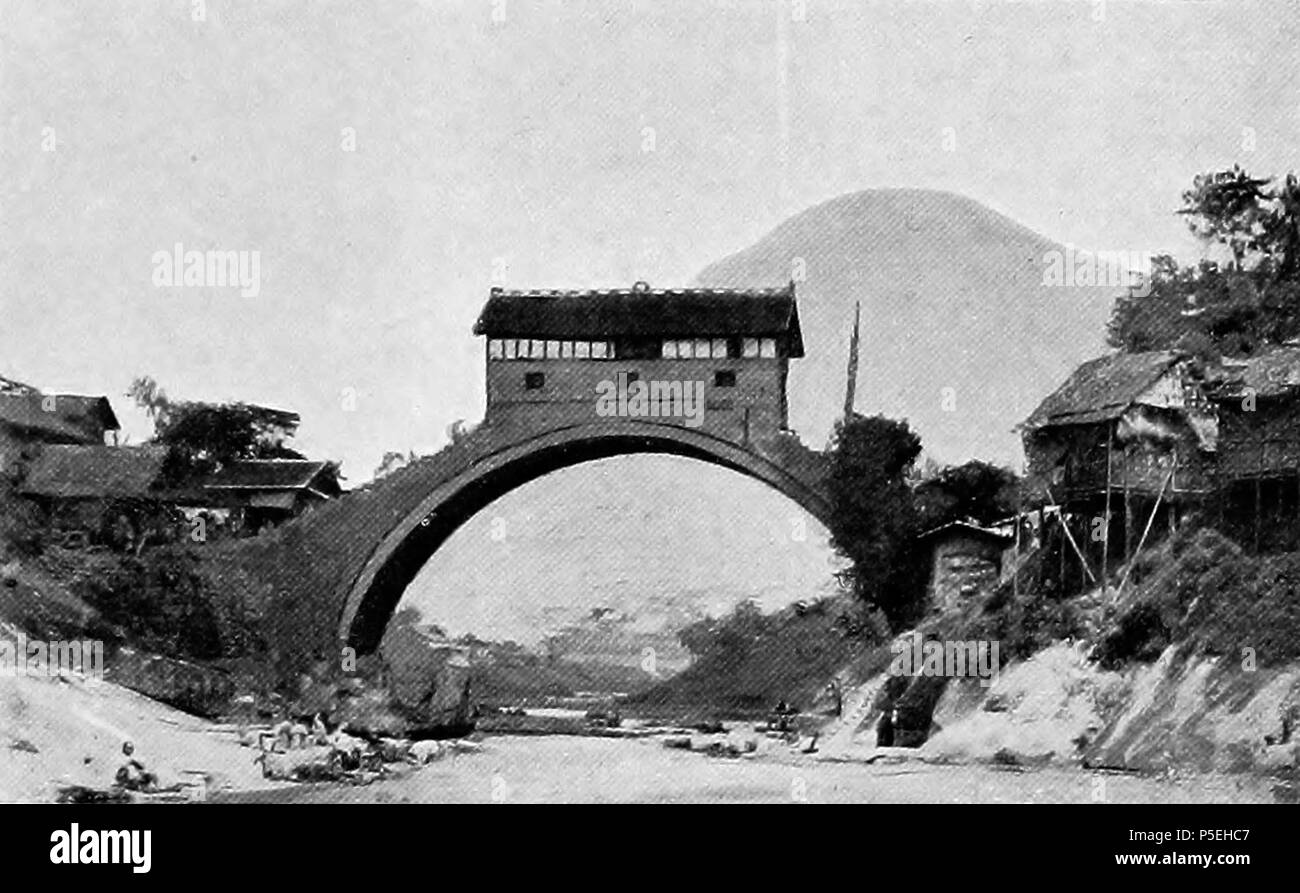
(266,474)
(62,416)
(668,313)
(969,528)
(1102,389)
(1268,375)
(25,411)
(70,471)
(13,386)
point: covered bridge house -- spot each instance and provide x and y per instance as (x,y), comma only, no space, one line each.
(549,351)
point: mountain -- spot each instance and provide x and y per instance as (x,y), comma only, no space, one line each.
(644,636)
(952,298)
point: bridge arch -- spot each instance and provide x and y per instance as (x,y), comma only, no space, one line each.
(503,464)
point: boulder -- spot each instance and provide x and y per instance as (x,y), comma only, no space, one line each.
(306,764)
(395,750)
(422,752)
(741,741)
(429,679)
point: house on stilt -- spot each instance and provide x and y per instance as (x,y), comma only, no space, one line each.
(1120,449)
(1258,406)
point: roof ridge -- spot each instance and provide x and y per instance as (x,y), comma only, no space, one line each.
(676,290)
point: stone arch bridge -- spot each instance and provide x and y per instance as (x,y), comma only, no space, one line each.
(352,558)
(699,373)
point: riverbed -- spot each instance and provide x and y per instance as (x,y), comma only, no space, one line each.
(570,769)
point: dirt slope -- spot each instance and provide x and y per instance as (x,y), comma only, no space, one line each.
(58,731)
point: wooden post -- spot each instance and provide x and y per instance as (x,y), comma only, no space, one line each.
(1155,508)
(1083,562)
(1222,492)
(851,386)
(1081,551)
(1015,564)
(1128,504)
(1259,469)
(1105,519)
(1060,571)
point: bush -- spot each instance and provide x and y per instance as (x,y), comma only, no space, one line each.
(21,525)
(1215,599)
(160,602)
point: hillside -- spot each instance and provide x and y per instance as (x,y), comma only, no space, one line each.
(952,297)
(761,659)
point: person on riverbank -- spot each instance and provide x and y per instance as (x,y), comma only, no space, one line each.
(132,775)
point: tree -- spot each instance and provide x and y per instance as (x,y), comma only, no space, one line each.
(978,491)
(392,461)
(1238,308)
(202,437)
(734,633)
(1228,207)
(873,519)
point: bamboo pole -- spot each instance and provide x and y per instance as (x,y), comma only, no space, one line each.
(1105,530)
(1128,503)
(1259,470)
(1060,569)
(1077,551)
(851,385)
(1015,566)
(1151,520)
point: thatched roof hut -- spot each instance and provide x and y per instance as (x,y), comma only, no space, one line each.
(1259,417)
(1140,422)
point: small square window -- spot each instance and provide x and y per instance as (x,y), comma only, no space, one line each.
(566,349)
(750,347)
(552,350)
(496,349)
(512,348)
(724,378)
(533,381)
(670,350)
(767,347)
(719,351)
(702,347)
(537,349)
(598,350)
(582,349)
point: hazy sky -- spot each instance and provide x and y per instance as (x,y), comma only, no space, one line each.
(584,143)
(390,161)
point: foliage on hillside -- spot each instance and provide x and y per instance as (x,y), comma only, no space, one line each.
(530,678)
(748,660)
(20,525)
(1238,307)
(200,437)
(159,602)
(976,491)
(873,520)
(1203,591)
